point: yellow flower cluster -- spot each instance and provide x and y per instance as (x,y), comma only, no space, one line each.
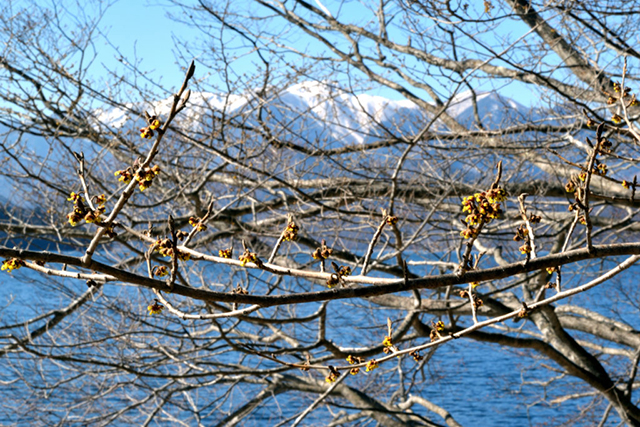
(225,253)
(196,222)
(124,175)
(340,271)
(291,232)
(371,365)
(248,256)
(391,220)
(161,271)
(165,248)
(482,208)
(147,132)
(145,176)
(155,308)
(80,211)
(387,341)
(323,252)
(333,375)
(353,360)
(12,264)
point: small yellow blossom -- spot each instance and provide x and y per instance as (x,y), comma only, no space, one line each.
(291,232)
(225,253)
(125,175)
(156,307)
(247,256)
(323,252)
(155,124)
(354,359)
(92,217)
(333,375)
(74,218)
(196,222)
(160,271)
(101,199)
(74,197)
(333,280)
(345,270)
(12,264)
(146,133)
(469,232)
(371,365)
(416,355)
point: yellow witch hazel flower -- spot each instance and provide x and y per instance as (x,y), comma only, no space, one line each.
(371,365)
(74,197)
(353,360)
(155,308)
(387,341)
(333,375)
(124,175)
(225,253)
(291,232)
(482,208)
(196,222)
(12,264)
(161,271)
(247,257)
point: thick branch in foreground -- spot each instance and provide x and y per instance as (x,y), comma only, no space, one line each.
(377,286)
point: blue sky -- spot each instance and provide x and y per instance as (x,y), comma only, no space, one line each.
(143,30)
(144,34)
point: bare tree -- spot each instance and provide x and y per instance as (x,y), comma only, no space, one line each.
(202,254)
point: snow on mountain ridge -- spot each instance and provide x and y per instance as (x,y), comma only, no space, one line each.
(326,111)
(492,108)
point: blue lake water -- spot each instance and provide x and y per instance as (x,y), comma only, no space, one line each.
(480,384)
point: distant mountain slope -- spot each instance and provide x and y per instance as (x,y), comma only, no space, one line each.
(316,110)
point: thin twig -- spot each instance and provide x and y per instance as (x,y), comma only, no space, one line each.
(203,220)
(372,244)
(276,247)
(523,214)
(585,193)
(320,399)
(175,251)
(632,375)
(629,123)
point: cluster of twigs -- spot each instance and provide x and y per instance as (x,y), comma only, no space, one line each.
(482,208)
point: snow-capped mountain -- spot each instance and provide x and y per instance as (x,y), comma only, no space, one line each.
(321,111)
